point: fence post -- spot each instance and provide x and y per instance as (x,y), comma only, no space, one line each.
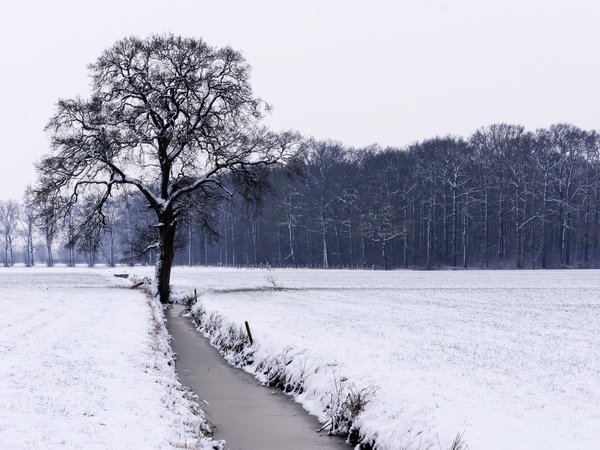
(248,331)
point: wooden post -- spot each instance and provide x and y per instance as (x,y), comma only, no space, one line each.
(249,333)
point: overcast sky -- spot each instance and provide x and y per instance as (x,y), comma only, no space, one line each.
(362,72)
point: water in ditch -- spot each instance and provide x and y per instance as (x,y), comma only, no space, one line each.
(245,414)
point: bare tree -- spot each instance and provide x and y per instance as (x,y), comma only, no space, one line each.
(27,220)
(568,142)
(290,203)
(9,216)
(322,189)
(110,230)
(47,205)
(70,234)
(380,227)
(168,116)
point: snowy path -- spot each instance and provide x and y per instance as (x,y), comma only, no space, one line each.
(509,358)
(83,367)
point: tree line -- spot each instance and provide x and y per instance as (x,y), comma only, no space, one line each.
(504,197)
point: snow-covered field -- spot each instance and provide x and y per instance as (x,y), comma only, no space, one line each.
(84,364)
(509,359)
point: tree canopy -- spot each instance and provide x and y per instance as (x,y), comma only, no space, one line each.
(168,116)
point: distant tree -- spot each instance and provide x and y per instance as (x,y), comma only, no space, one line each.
(324,173)
(47,209)
(168,116)
(139,231)
(9,216)
(570,144)
(381,211)
(591,183)
(380,227)
(27,220)
(88,227)
(70,234)
(113,216)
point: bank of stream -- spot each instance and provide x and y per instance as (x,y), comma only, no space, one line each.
(245,414)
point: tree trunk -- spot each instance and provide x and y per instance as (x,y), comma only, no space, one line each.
(189,246)
(429,243)
(385,255)
(27,254)
(465,235)
(164,262)
(50,262)
(351,237)
(50,259)
(486,226)
(112,248)
(454,224)
(545,222)
(405,236)
(10,247)
(445,226)
(339,244)
(561,235)
(325,259)
(232,224)
(291,238)
(415,227)
(588,194)
(500,249)
(518,228)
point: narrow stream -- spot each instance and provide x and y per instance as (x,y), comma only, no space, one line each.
(245,414)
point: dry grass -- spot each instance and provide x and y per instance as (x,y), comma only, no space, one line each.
(274,283)
(458,443)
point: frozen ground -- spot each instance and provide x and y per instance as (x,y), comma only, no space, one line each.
(84,364)
(509,359)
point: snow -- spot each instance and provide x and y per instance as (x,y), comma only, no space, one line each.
(508,359)
(86,364)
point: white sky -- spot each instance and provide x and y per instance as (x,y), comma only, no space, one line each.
(361,72)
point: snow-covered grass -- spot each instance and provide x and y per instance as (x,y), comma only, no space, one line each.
(87,364)
(507,359)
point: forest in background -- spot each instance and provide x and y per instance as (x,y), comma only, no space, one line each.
(504,197)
